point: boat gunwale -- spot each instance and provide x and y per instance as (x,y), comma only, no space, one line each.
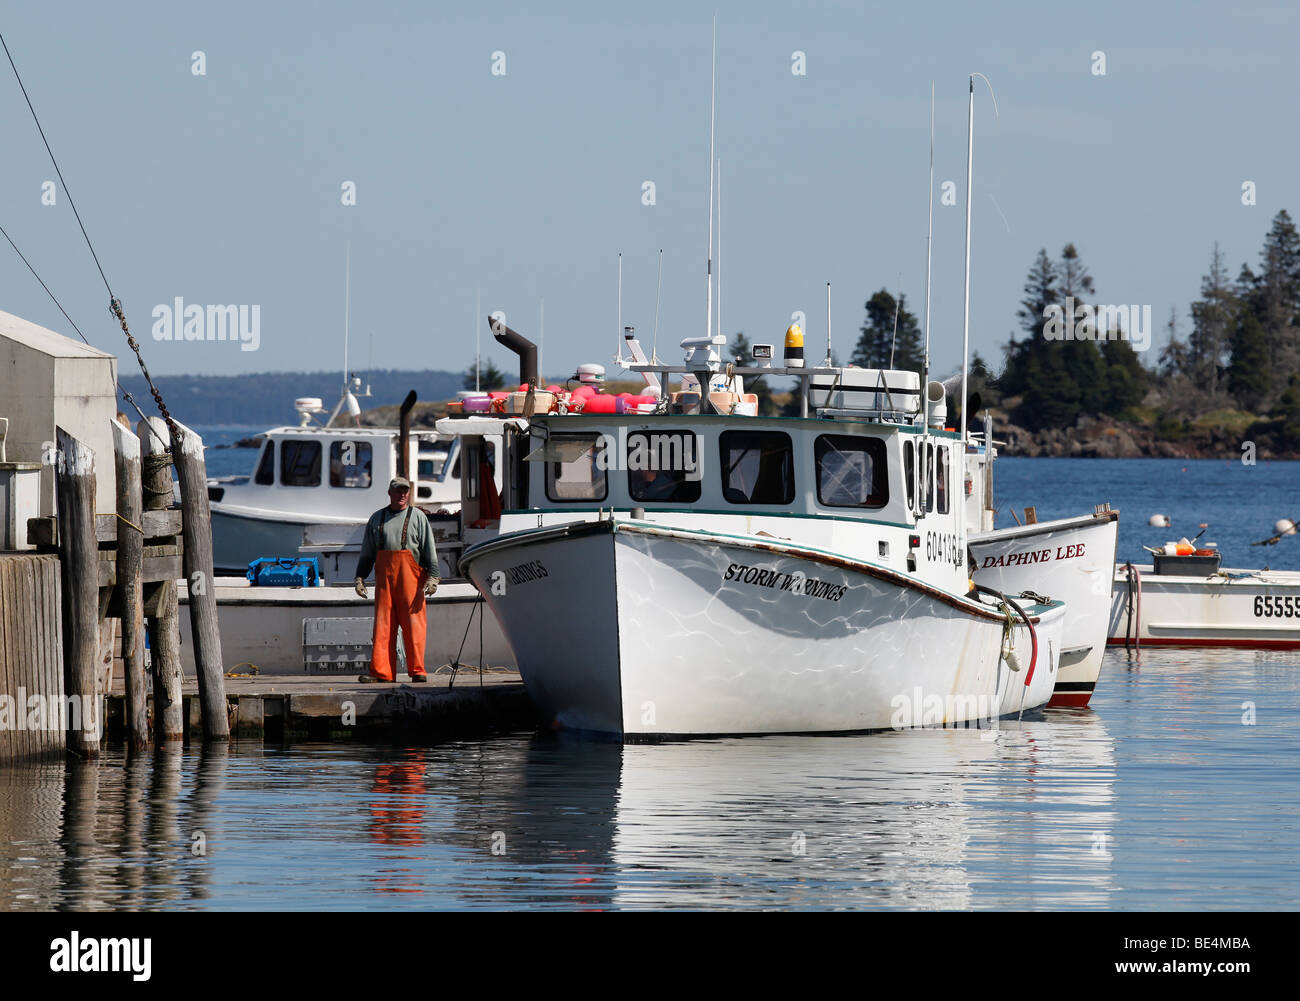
(574,529)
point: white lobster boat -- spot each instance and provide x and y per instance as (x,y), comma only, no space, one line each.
(334,475)
(1190,601)
(684,574)
(1068,558)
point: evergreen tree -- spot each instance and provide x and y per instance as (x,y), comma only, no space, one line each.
(1174,356)
(1212,322)
(879,341)
(490,377)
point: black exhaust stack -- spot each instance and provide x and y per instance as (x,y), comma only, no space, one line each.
(520,345)
(404,436)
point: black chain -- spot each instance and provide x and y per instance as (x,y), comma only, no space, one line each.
(115,305)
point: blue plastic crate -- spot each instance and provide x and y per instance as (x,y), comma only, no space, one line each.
(284,571)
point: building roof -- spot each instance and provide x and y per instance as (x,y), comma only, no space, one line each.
(38,338)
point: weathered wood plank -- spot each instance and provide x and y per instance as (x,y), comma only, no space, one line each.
(154,524)
(30,657)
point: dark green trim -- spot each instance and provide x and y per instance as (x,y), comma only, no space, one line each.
(739,510)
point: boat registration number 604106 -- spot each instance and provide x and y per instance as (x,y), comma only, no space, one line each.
(942,547)
(1267,606)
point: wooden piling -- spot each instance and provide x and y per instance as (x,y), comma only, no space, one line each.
(161,603)
(165,648)
(79,553)
(191,472)
(130,581)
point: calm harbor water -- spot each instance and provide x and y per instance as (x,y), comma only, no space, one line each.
(1175,790)
(1158,798)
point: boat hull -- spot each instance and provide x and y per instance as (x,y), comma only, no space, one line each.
(1072,559)
(237,540)
(1234,608)
(642,632)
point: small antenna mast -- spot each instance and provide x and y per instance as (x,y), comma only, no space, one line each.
(618,359)
(828,324)
(713,99)
(898,304)
(541,338)
(929,238)
(347,310)
(477,353)
(659,291)
(720,330)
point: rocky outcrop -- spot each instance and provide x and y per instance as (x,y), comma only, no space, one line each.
(1104,437)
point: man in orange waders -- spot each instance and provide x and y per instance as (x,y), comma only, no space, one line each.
(398,545)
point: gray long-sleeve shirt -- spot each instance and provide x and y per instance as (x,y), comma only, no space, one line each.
(384,531)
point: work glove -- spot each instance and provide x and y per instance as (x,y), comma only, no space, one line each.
(430,586)
(361,588)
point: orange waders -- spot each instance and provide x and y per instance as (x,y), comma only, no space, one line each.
(398,581)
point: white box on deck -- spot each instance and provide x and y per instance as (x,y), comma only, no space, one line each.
(872,389)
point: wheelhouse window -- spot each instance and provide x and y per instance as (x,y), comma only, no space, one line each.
(432,459)
(265,475)
(941,478)
(663,466)
(300,463)
(757,467)
(476,451)
(851,471)
(351,464)
(576,468)
(909,473)
(928,475)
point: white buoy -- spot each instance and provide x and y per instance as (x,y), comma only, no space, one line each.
(1158,521)
(1285,527)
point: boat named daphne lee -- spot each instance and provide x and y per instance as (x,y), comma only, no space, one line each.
(698,570)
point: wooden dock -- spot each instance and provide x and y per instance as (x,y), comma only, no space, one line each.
(292,708)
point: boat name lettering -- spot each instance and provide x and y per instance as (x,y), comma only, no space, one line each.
(795,583)
(1034,556)
(525,572)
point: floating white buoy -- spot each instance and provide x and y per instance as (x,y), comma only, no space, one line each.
(1158,521)
(1285,527)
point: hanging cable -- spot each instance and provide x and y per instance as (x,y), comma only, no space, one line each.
(126,393)
(114,304)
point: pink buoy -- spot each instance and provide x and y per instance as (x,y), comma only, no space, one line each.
(594,404)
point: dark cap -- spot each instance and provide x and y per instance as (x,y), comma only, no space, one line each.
(399,483)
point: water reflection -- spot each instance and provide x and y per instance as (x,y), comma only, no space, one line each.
(1021,817)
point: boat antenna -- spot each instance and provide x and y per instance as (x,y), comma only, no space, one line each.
(713,100)
(828,324)
(898,305)
(720,330)
(477,353)
(965,322)
(541,337)
(659,291)
(347,310)
(929,242)
(618,359)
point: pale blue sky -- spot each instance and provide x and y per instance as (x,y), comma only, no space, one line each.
(225,188)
